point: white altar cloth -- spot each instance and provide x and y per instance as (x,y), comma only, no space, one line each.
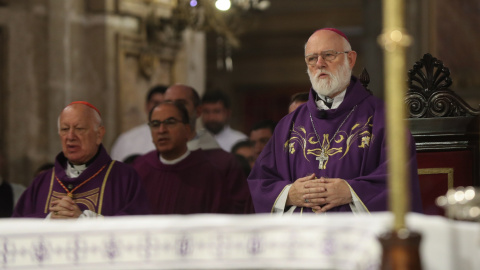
(333,241)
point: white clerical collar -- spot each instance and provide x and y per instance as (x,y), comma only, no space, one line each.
(336,101)
(74,171)
(174,161)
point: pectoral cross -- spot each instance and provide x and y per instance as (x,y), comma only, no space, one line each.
(322,160)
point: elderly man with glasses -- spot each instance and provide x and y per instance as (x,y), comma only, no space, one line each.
(330,154)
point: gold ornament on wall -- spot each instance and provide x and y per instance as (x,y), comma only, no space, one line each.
(146,61)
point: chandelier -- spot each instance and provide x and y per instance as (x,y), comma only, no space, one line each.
(227,18)
(225,5)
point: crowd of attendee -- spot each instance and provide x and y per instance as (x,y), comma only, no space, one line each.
(169,166)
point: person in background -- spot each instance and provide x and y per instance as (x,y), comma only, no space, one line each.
(244,164)
(225,162)
(260,135)
(245,148)
(297,100)
(330,154)
(188,96)
(9,193)
(138,140)
(86,182)
(215,115)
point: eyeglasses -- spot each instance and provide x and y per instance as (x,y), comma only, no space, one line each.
(168,123)
(330,55)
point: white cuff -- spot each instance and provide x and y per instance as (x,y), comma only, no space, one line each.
(280,203)
(89,214)
(85,214)
(356,205)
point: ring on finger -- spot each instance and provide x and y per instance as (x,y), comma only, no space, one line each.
(55,213)
(307,201)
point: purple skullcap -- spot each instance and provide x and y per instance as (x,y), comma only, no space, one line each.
(336,31)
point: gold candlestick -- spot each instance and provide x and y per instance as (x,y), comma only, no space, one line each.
(400,246)
(394,40)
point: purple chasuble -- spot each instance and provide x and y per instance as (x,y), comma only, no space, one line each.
(353,136)
(115,190)
(197,184)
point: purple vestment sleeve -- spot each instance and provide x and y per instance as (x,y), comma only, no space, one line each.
(115,190)
(353,137)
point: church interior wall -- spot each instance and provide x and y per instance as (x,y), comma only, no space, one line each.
(24,89)
(56,52)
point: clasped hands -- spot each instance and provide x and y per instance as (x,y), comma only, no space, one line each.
(320,194)
(64,208)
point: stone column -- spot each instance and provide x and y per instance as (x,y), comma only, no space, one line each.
(59,51)
(190,63)
(25,129)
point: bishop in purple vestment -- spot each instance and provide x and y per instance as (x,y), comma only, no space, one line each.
(330,153)
(85,181)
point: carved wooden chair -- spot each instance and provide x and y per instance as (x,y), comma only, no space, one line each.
(446,132)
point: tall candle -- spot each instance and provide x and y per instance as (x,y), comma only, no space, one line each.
(394,41)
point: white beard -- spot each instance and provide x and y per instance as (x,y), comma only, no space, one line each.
(334,83)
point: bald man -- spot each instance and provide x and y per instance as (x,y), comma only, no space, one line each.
(85,181)
(226,163)
(329,155)
(189,97)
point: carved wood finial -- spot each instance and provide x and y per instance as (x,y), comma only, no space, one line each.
(429,94)
(365,79)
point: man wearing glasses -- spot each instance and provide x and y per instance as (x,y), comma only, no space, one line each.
(329,155)
(225,162)
(179,180)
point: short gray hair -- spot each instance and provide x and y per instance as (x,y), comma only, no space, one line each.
(96,115)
